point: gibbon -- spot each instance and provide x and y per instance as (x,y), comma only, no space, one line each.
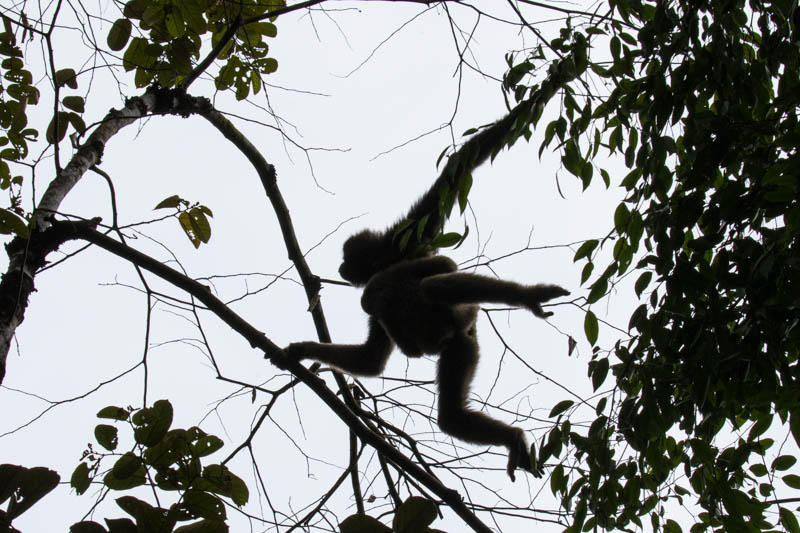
(418,301)
(425,306)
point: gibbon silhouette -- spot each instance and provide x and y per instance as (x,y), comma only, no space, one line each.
(420,302)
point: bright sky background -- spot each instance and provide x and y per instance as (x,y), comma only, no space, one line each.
(361,84)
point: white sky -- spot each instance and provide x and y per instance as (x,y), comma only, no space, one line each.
(86,322)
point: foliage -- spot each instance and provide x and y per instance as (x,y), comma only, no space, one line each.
(413,516)
(193,218)
(704,110)
(171,37)
(16,93)
(169,459)
(22,487)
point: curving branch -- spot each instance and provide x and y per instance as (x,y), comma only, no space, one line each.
(62,231)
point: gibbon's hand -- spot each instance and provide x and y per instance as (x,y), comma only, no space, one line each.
(519,457)
(543,293)
(297,351)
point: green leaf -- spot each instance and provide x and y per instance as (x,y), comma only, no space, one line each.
(789,520)
(80,479)
(57,128)
(414,515)
(32,484)
(66,76)
(86,526)
(152,423)
(591,328)
(599,373)
(204,505)
(642,283)
(126,466)
(560,407)
(106,436)
(784,462)
(173,201)
(792,480)
(113,412)
(758,470)
(446,240)
(207,445)
(585,249)
(201,526)
(794,425)
(175,24)
(597,291)
(119,34)
(12,223)
(75,103)
(362,524)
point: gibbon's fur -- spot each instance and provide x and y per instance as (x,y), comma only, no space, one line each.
(419,302)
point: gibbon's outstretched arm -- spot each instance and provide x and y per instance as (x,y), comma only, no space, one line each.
(461,287)
(369,252)
(368,359)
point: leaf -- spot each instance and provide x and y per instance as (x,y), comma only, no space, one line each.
(74,103)
(32,484)
(446,240)
(113,412)
(591,327)
(173,201)
(80,479)
(106,436)
(153,423)
(86,526)
(126,466)
(599,373)
(122,525)
(414,515)
(789,520)
(57,128)
(642,283)
(794,425)
(119,34)
(12,223)
(792,480)
(207,445)
(363,524)
(585,249)
(202,526)
(204,505)
(560,407)
(784,462)
(66,76)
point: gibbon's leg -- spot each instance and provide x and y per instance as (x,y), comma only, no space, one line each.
(366,359)
(457,364)
(461,287)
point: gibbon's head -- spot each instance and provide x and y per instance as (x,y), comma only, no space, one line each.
(363,255)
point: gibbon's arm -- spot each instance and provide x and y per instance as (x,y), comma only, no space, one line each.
(368,359)
(425,266)
(462,287)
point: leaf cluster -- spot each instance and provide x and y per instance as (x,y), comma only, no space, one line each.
(704,112)
(170,35)
(167,459)
(17,91)
(414,515)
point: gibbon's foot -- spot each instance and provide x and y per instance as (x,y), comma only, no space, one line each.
(543,293)
(519,457)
